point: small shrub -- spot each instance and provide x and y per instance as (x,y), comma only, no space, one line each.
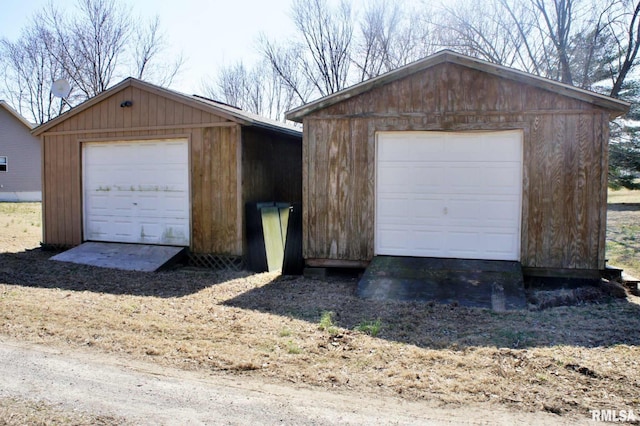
(326,323)
(285,332)
(372,328)
(293,348)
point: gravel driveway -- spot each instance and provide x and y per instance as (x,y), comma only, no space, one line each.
(142,393)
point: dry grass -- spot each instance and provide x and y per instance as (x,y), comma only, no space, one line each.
(623,196)
(20,226)
(565,360)
(623,231)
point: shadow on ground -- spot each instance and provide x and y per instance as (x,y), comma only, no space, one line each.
(606,323)
(601,323)
(34,269)
(623,207)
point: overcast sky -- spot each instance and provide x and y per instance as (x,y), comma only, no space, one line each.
(210,33)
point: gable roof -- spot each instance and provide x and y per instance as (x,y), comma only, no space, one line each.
(615,106)
(15,113)
(218,108)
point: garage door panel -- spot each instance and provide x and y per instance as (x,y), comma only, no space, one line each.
(497,242)
(426,178)
(396,211)
(137,192)
(422,241)
(502,175)
(392,237)
(502,212)
(455,194)
(427,210)
(394,177)
(464,178)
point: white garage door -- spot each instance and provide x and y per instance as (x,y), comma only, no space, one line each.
(137,192)
(446,194)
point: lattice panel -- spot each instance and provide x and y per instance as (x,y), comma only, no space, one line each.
(213,261)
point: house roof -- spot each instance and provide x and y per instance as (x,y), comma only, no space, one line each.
(616,106)
(227,111)
(15,113)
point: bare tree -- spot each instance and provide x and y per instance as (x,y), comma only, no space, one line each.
(574,41)
(148,45)
(333,47)
(557,16)
(91,48)
(90,45)
(283,60)
(28,73)
(259,90)
(327,35)
(320,55)
(627,42)
(390,36)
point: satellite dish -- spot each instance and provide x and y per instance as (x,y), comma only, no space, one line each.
(61,88)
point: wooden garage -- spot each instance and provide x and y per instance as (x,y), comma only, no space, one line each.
(143,164)
(455,157)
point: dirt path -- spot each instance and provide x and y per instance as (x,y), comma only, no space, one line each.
(149,394)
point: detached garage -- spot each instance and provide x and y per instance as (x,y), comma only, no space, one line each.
(143,164)
(455,157)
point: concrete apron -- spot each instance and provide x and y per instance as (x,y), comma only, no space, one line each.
(496,285)
(128,257)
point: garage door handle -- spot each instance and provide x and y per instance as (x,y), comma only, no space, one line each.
(445,211)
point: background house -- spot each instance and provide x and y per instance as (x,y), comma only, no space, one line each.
(20,163)
(455,157)
(143,164)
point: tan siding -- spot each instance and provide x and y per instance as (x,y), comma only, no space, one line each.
(197,196)
(214,189)
(564,175)
(48,206)
(214,154)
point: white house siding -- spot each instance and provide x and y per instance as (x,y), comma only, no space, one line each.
(23,179)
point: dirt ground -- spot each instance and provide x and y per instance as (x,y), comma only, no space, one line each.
(565,360)
(77,383)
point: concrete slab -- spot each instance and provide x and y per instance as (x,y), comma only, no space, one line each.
(128,257)
(494,285)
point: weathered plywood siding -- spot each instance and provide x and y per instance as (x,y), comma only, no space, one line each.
(214,146)
(564,182)
(338,196)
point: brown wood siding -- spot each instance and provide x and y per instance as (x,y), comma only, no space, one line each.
(215,198)
(214,158)
(564,176)
(148,111)
(337,204)
(271,167)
